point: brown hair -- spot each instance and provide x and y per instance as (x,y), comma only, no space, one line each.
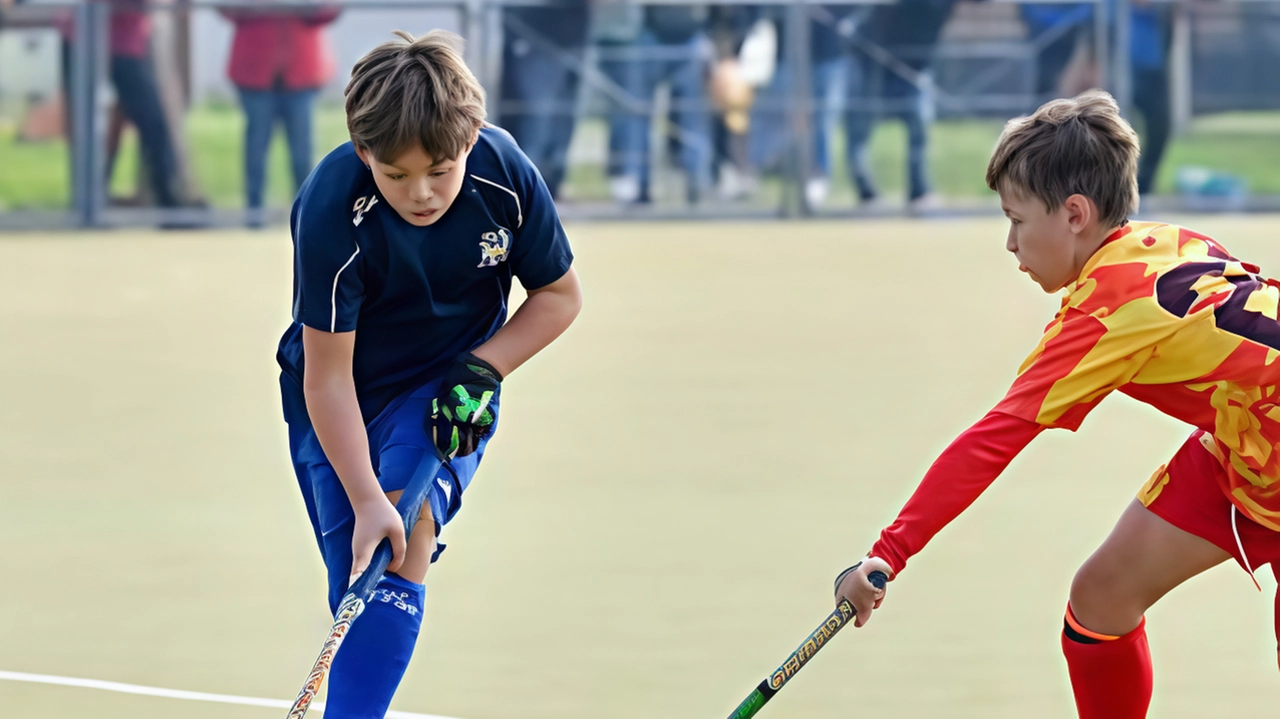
(414,90)
(1067,147)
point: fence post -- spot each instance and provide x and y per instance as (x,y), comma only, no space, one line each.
(1102,43)
(472,23)
(88,112)
(800,62)
(492,36)
(1180,69)
(1122,65)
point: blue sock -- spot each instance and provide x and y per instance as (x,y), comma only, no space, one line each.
(376,652)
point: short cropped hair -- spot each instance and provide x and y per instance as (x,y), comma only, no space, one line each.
(1075,146)
(414,90)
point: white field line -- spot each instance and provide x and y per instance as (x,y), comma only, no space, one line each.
(317,707)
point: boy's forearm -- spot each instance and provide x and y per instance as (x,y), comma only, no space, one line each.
(335,416)
(954,481)
(542,318)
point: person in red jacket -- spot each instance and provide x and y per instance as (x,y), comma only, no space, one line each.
(279,61)
(1155,311)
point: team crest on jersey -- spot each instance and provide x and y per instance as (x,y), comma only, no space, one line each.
(363,205)
(493,247)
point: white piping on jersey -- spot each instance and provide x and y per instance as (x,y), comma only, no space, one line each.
(1236,531)
(333,299)
(519,217)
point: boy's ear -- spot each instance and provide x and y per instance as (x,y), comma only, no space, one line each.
(363,154)
(1080,212)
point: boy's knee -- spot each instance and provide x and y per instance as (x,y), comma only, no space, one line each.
(1100,602)
(1087,588)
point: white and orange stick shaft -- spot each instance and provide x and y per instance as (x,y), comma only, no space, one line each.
(350,610)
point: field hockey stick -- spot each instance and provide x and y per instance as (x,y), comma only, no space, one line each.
(361,591)
(801,656)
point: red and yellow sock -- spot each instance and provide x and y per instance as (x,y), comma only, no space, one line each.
(1110,675)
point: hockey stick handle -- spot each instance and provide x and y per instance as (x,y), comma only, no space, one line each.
(409,507)
(801,656)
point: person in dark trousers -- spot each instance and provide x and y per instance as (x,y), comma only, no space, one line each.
(670,45)
(1148,56)
(727,27)
(830,78)
(137,92)
(1149,38)
(839,81)
(895,60)
(1059,27)
(279,61)
(541,72)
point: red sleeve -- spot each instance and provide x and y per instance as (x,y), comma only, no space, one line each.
(962,472)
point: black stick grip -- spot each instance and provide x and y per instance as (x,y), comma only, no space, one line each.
(878,578)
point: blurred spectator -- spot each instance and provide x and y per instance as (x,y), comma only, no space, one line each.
(731,88)
(617,28)
(831,68)
(279,61)
(770,139)
(839,84)
(1054,30)
(772,146)
(897,53)
(137,92)
(541,72)
(1149,41)
(664,44)
(1149,55)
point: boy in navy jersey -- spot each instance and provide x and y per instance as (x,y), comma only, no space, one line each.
(406,241)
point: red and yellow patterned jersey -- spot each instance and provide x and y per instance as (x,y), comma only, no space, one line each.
(1169,317)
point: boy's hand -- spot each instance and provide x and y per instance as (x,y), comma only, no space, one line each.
(375,519)
(461,416)
(861,593)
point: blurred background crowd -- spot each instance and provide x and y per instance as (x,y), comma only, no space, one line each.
(629,107)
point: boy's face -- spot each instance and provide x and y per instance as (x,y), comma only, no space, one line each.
(419,187)
(1049,246)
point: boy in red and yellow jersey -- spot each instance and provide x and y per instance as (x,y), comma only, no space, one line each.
(1157,312)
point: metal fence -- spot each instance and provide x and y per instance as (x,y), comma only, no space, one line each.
(983,66)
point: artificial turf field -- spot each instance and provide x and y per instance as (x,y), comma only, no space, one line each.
(737,412)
